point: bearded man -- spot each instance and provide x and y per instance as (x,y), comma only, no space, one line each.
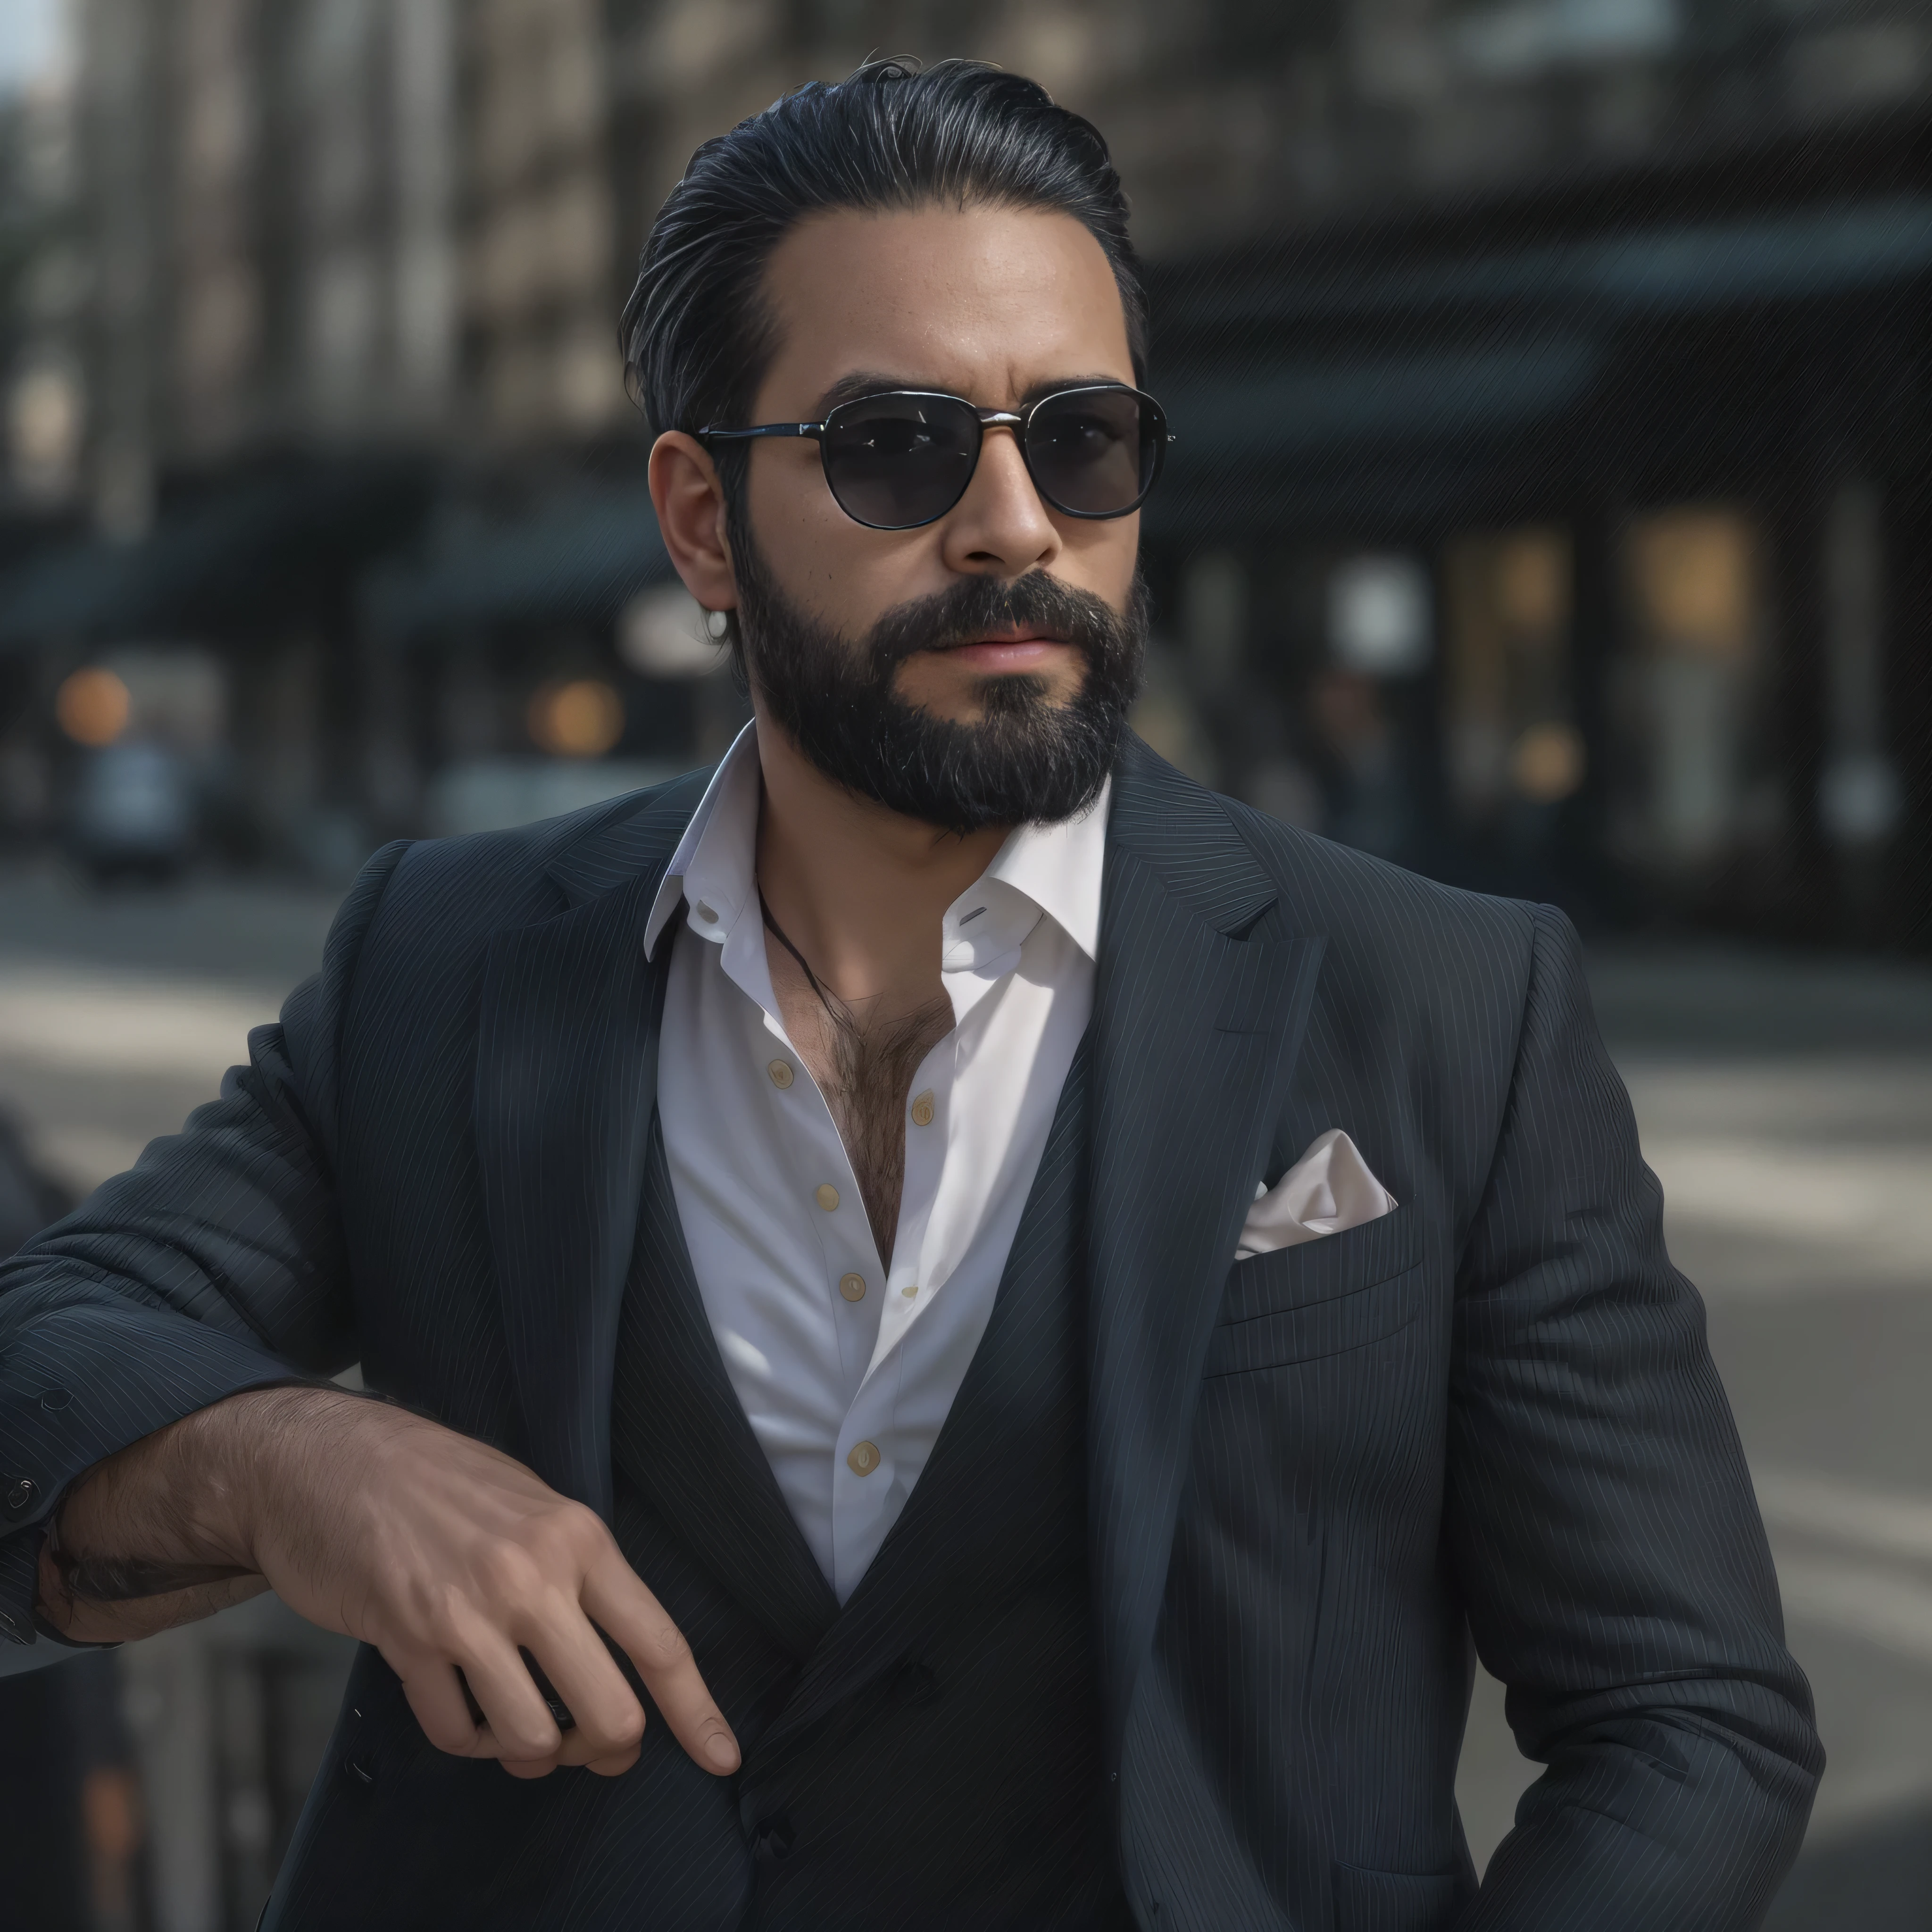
(1027,1313)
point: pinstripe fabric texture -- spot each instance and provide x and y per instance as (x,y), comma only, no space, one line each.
(1311,1476)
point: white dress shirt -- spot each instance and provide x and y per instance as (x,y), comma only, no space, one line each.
(847,1362)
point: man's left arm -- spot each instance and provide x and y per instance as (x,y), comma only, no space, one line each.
(1603,1525)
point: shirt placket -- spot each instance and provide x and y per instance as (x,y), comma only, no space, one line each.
(820,1176)
(866,1473)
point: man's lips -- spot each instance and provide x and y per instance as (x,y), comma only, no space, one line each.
(1019,651)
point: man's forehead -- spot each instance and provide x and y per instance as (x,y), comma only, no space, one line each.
(1000,300)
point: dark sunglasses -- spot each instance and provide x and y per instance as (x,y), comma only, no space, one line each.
(903,458)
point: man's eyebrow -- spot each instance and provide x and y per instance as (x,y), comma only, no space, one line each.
(1053,385)
(870,383)
(867,383)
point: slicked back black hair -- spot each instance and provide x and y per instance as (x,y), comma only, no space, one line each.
(696,336)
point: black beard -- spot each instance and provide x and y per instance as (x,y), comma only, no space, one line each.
(1025,760)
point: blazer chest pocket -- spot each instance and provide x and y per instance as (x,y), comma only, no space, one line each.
(1320,1298)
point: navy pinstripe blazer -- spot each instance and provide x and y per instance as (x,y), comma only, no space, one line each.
(1314,1476)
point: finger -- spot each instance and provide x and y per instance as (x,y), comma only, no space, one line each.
(616,1599)
(516,1723)
(435,1694)
(575,1754)
(608,1718)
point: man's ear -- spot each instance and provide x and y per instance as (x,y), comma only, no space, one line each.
(690,503)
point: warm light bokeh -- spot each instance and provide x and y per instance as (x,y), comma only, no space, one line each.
(581,719)
(93,707)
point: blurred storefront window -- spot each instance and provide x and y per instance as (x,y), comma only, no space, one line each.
(1860,797)
(1686,692)
(1509,709)
(1380,621)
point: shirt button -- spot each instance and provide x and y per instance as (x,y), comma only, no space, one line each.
(705,913)
(864,1458)
(852,1287)
(923,1110)
(909,1290)
(781,1073)
(827,1196)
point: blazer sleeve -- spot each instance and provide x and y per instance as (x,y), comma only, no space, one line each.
(214,1264)
(1603,1525)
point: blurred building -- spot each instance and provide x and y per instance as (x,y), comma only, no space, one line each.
(1550,505)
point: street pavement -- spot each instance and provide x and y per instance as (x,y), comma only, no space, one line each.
(1785,1101)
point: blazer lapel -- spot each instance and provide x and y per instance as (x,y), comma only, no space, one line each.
(1197,1021)
(566,1077)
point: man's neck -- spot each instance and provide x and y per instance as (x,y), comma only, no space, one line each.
(859,889)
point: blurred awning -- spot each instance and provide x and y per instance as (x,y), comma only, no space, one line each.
(1648,269)
(1287,411)
(276,541)
(576,557)
(1470,361)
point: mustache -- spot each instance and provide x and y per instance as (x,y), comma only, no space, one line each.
(975,607)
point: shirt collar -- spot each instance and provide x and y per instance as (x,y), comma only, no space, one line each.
(715,866)
(1054,869)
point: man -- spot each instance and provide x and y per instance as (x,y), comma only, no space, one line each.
(807,1217)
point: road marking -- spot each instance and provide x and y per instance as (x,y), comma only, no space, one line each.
(1852,1595)
(82,1158)
(1818,1192)
(86,1019)
(1886,1609)
(1878,1522)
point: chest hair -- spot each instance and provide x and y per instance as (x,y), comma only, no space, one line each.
(864,1059)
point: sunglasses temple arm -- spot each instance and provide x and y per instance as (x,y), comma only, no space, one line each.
(814,430)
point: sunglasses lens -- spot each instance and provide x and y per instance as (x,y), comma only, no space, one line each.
(896,461)
(1093,450)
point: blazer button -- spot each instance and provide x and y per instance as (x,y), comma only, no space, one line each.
(20,1494)
(773,1839)
(357,1771)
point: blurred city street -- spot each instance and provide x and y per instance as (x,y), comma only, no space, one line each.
(1547,514)
(1786,1100)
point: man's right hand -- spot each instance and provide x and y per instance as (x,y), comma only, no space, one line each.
(444,1554)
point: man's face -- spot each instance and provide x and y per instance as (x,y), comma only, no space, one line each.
(995,304)
(973,670)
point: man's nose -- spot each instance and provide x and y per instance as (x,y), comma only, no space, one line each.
(1001,527)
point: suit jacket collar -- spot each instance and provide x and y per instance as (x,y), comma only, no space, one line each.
(631,846)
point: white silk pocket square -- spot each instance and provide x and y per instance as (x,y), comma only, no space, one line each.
(1329,1188)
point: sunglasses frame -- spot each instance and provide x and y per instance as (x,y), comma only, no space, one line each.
(1018,422)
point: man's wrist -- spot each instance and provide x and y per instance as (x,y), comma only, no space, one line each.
(180,1510)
